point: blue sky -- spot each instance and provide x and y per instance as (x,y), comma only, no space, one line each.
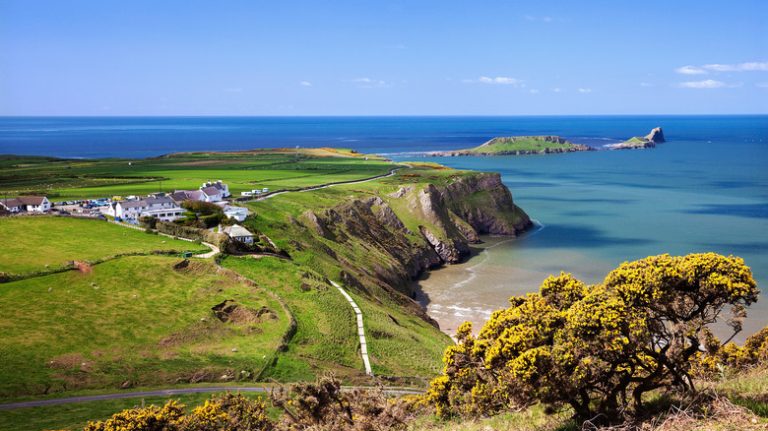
(406,57)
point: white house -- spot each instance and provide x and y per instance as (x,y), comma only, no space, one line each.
(237,213)
(162,208)
(209,192)
(38,204)
(215,191)
(239,233)
(212,194)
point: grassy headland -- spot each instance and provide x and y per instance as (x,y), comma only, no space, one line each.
(518,145)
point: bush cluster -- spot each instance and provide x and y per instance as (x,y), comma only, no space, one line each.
(597,348)
(320,406)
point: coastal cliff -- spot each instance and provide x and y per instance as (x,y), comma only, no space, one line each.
(389,238)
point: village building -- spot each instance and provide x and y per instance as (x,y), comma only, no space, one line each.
(237,213)
(209,192)
(239,233)
(180,196)
(32,204)
(162,208)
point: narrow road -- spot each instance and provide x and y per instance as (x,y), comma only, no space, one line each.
(360,328)
(172,392)
(325,186)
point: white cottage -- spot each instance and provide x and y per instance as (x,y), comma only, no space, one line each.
(239,233)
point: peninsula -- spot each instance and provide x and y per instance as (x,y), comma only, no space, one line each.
(518,145)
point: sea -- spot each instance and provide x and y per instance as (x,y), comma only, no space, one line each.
(705,189)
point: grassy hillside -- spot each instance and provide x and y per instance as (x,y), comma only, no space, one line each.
(134,319)
(525,144)
(245,170)
(33,244)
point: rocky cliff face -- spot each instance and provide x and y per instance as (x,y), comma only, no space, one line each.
(389,240)
(656,136)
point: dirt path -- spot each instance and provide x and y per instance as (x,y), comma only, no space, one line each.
(214,249)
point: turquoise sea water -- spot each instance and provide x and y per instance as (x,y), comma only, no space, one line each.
(706,189)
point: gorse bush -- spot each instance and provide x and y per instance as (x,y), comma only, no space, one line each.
(320,406)
(224,413)
(597,348)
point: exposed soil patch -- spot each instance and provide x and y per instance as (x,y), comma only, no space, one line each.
(231,311)
(83,267)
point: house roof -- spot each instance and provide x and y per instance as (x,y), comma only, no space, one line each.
(158,201)
(11,203)
(23,200)
(132,204)
(210,191)
(183,195)
(237,231)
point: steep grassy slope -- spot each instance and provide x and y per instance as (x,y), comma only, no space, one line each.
(32,244)
(137,320)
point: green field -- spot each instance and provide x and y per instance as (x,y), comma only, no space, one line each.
(39,244)
(62,179)
(133,319)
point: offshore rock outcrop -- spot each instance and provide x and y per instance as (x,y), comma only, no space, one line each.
(656,136)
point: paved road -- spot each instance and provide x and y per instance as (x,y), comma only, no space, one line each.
(169,393)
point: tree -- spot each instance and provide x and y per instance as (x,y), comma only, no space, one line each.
(598,348)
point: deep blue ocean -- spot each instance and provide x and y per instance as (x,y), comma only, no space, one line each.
(706,189)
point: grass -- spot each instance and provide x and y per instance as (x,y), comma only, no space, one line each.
(32,244)
(325,339)
(523,144)
(76,416)
(138,320)
(63,179)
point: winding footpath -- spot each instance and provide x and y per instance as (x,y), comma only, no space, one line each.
(360,328)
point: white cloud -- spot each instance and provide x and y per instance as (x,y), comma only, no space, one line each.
(762,85)
(690,70)
(646,84)
(752,66)
(305,84)
(707,83)
(370,83)
(557,89)
(533,91)
(584,90)
(498,80)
